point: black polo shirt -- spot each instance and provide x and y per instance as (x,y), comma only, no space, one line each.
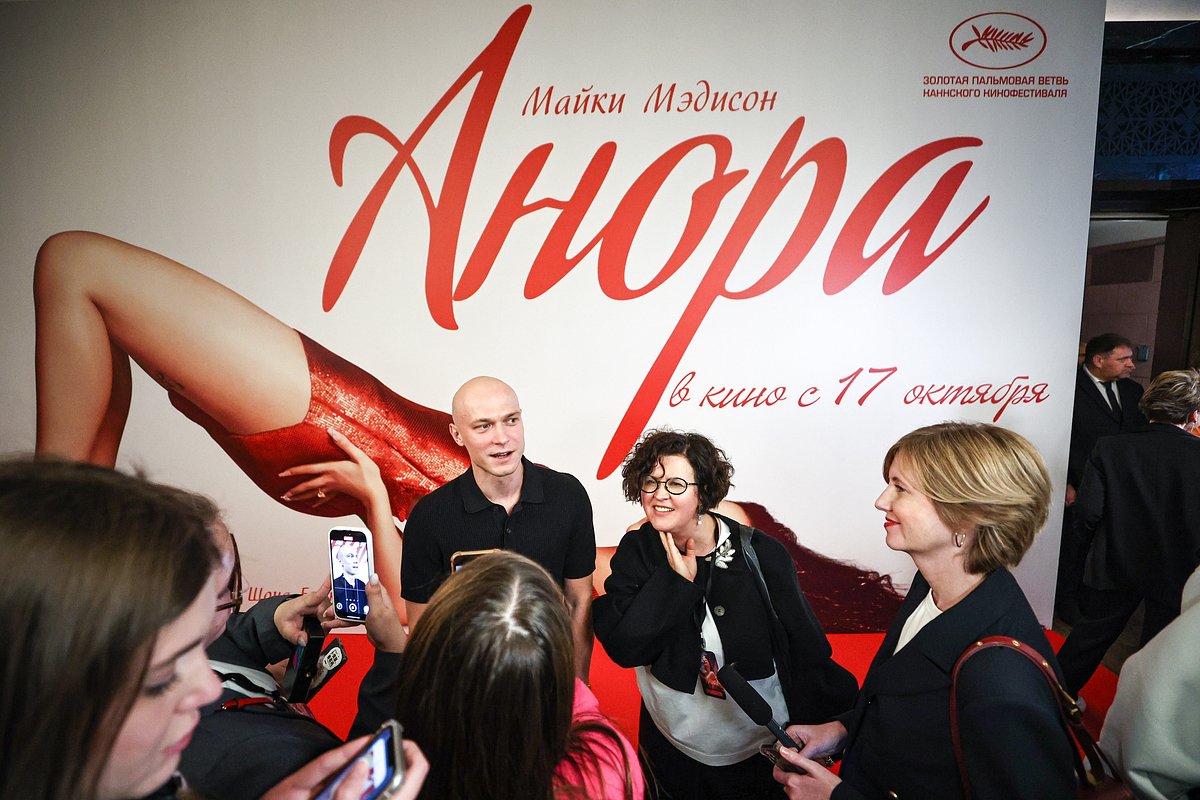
(550,524)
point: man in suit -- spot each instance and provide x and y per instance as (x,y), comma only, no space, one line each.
(1140,498)
(1106,403)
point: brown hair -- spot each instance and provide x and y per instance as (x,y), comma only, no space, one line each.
(492,656)
(708,461)
(981,476)
(1172,397)
(96,563)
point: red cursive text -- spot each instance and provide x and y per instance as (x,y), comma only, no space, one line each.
(553,261)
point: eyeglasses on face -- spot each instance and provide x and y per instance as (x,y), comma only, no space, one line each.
(235,604)
(235,581)
(674,485)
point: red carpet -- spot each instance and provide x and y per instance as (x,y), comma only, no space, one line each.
(335,705)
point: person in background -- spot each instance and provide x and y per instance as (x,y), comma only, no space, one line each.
(965,502)
(488,686)
(1139,504)
(692,591)
(111,589)
(1106,403)
(1152,730)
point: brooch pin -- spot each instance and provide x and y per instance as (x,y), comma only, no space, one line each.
(724,554)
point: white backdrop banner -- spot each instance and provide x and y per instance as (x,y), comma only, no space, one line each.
(801,228)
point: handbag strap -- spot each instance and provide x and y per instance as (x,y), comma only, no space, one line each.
(744,534)
(1101,769)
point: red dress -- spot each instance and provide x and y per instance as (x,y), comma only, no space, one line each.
(410,443)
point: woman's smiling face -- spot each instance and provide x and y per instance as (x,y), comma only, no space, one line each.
(911,521)
(672,513)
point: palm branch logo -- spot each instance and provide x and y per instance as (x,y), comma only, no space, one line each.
(998,40)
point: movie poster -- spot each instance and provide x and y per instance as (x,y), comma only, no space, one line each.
(801,228)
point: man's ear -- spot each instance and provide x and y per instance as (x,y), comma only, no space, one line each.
(454,435)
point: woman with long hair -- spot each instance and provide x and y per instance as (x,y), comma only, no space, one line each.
(487,687)
(965,502)
(109,593)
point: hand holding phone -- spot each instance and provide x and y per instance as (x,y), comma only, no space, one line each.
(384,629)
(351,562)
(385,764)
(302,667)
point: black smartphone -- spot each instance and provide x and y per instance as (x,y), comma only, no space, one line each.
(386,760)
(351,562)
(302,668)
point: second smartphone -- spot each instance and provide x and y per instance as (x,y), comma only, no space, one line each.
(351,562)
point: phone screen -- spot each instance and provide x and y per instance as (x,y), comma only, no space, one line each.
(350,568)
(382,755)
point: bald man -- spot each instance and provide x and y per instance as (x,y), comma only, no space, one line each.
(502,502)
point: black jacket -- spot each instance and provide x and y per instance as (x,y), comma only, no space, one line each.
(241,754)
(1141,495)
(1012,738)
(650,615)
(1092,419)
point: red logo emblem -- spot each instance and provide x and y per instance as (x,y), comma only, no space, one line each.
(998,40)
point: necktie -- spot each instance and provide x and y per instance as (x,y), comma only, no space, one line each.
(1113,405)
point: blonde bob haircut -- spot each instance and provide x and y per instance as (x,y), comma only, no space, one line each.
(1172,397)
(979,476)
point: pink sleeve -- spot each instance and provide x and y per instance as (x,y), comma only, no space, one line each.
(605,779)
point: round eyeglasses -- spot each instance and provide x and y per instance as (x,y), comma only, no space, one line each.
(674,485)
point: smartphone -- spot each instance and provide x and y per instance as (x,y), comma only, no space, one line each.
(302,667)
(351,562)
(386,760)
(460,558)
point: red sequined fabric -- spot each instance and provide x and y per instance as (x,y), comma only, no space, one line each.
(410,443)
(846,598)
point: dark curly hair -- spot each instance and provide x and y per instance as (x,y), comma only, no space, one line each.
(709,462)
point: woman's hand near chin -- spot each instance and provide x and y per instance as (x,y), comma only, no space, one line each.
(683,563)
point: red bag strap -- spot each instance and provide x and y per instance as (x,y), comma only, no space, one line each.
(1101,768)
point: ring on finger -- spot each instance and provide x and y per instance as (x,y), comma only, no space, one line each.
(320,494)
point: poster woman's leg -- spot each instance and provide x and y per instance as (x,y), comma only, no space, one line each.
(101,301)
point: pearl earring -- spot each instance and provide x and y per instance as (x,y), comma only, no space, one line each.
(959,538)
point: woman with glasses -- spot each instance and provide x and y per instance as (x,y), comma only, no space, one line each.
(691,591)
(249,739)
(109,590)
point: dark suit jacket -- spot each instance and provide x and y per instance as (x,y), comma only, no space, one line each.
(1092,419)
(1012,738)
(1141,496)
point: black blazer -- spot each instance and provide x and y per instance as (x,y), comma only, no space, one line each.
(1092,419)
(649,615)
(1012,738)
(1141,495)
